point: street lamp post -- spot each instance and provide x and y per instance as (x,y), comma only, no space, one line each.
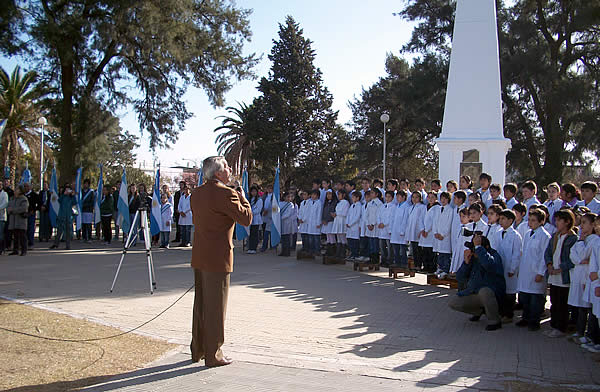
(42,121)
(384,119)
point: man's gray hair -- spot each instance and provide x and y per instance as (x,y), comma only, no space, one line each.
(213,165)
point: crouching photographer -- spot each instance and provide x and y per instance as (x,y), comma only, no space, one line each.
(482,275)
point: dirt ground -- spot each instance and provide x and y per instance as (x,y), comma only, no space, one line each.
(31,364)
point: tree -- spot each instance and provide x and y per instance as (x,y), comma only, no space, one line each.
(233,142)
(115,53)
(413,96)
(293,116)
(18,107)
(549,58)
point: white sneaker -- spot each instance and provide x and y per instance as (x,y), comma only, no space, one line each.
(583,340)
(251,252)
(443,275)
(555,333)
(438,272)
(574,336)
(593,348)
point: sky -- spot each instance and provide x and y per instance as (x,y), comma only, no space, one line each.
(351,39)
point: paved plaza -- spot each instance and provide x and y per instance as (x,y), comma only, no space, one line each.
(298,325)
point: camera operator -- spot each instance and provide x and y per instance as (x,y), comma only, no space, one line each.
(483,276)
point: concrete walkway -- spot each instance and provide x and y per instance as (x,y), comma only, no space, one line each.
(298,325)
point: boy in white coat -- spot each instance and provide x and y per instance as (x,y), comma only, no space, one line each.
(529,190)
(185,217)
(426,239)
(588,193)
(442,229)
(494,227)
(353,223)
(166,220)
(531,283)
(312,217)
(289,223)
(372,212)
(303,226)
(510,248)
(397,236)
(384,219)
(414,226)
(458,242)
(553,203)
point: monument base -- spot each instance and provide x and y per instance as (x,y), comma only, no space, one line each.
(492,158)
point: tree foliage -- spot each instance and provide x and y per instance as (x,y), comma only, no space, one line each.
(97,56)
(549,59)
(233,142)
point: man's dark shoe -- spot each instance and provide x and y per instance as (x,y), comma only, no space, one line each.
(522,323)
(53,246)
(475,318)
(13,253)
(224,362)
(493,327)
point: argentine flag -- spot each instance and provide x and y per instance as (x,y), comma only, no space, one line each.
(54,204)
(97,215)
(200,177)
(78,199)
(123,205)
(155,214)
(241,232)
(276,216)
(26,176)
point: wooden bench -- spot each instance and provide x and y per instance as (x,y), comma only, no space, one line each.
(303,255)
(435,281)
(361,265)
(327,260)
(394,271)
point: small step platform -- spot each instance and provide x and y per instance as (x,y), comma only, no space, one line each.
(362,265)
(303,255)
(328,260)
(435,281)
(394,271)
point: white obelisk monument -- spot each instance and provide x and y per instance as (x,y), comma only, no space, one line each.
(473,111)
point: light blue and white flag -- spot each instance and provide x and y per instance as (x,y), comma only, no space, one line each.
(2,126)
(155,214)
(123,205)
(26,176)
(200,177)
(54,204)
(97,215)
(241,232)
(78,199)
(276,213)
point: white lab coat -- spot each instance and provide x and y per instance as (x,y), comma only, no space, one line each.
(510,249)
(427,242)
(166,216)
(533,263)
(594,205)
(528,203)
(590,289)
(480,225)
(312,216)
(371,216)
(442,224)
(184,206)
(302,208)
(580,275)
(289,217)
(485,195)
(553,206)
(416,222)
(510,203)
(491,232)
(458,246)
(399,223)
(384,217)
(257,207)
(490,201)
(523,228)
(363,219)
(551,229)
(353,221)
(339,222)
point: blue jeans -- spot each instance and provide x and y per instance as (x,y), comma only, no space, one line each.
(400,256)
(186,233)
(533,307)
(266,240)
(354,246)
(386,250)
(443,261)
(164,238)
(373,245)
(315,243)
(305,240)
(364,246)
(30,229)
(253,240)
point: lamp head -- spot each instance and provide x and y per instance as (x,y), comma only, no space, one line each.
(42,121)
(385,118)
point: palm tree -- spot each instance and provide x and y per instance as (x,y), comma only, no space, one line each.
(18,108)
(233,142)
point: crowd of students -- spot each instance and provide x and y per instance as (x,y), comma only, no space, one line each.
(551,244)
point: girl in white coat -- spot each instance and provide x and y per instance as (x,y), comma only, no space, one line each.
(458,241)
(372,212)
(166,220)
(442,229)
(303,226)
(353,223)
(313,217)
(414,227)
(510,248)
(185,217)
(591,292)
(384,219)
(398,234)
(256,203)
(339,223)
(426,239)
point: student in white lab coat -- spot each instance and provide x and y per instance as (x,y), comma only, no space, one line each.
(364,239)
(313,217)
(289,223)
(495,195)
(510,190)
(384,219)
(493,214)
(327,219)
(466,184)
(256,203)
(592,294)
(458,241)
(442,230)
(302,221)
(353,225)
(485,180)
(398,227)
(185,217)
(581,253)
(420,188)
(521,225)
(339,223)
(550,228)
(531,283)
(476,224)
(371,215)
(426,239)
(458,203)
(166,220)
(529,190)
(510,248)
(553,203)
(588,194)
(414,227)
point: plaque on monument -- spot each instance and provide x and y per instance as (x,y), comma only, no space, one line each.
(471,169)
(471,156)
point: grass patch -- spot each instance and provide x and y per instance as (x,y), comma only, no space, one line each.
(32,364)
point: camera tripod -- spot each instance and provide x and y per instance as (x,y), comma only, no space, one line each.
(142,215)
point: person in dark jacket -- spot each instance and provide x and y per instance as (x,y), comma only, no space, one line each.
(32,198)
(176,211)
(18,215)
(482,273)
(64,219)
(134,205)
(106,213)
(44,207)
(88,199)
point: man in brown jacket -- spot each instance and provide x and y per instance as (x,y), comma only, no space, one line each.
(215,210)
